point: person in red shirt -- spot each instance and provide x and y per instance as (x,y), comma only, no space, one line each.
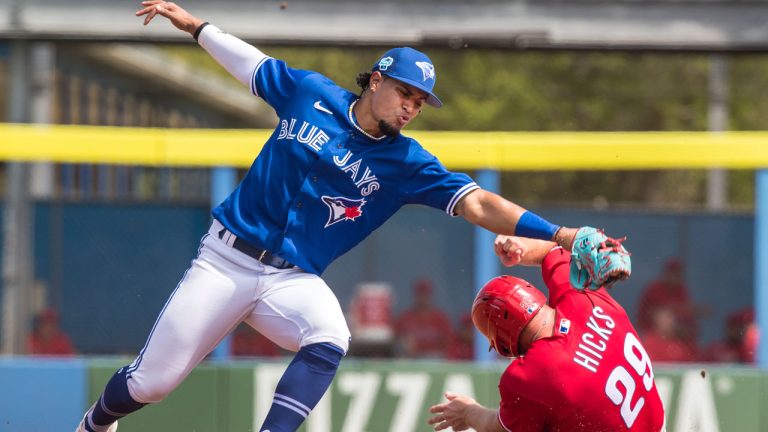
(578,364)
(670,291)
(740,343)
(247,342)
(46,338)
(662,342)
(462,347)
(422,329)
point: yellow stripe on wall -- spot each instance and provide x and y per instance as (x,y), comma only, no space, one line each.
(458,150)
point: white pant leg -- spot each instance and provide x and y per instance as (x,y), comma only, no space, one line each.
(296,308)
(216,293)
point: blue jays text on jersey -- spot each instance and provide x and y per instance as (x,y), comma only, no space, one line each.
(321,184)
(315,138)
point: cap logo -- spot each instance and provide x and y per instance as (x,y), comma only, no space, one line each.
(385,63)
(426,69)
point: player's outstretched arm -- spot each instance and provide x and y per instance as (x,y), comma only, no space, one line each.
(513,250)
(501,216)
(461,413)
(237,57)
(598,260)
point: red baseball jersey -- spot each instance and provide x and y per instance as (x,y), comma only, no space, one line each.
(591,375)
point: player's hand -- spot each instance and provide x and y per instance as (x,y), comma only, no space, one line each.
(451,414)
(510,250)
(179,17)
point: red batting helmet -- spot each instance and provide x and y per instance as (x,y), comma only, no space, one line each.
(502,309)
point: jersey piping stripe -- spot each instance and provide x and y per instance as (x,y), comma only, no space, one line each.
(467,188)
(293,401)
(137,362)
(354,123)
(253,77)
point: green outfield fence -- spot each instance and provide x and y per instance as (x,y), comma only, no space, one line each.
(366,396)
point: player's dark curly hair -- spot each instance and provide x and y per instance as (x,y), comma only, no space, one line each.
(363,79)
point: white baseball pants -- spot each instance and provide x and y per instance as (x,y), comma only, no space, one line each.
(222,288)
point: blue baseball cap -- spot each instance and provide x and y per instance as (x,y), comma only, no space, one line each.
(411,67)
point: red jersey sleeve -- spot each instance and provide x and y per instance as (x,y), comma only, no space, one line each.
(518,413)
(555,270)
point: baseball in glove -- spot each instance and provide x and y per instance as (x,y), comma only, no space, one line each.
(598,260)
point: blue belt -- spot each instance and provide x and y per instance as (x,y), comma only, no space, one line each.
(261,255)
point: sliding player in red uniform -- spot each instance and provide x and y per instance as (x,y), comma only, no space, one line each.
(578,364)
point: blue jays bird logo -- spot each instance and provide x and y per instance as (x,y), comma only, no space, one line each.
(342,209)
(427,70)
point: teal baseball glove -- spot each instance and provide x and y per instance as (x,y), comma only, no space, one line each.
(598,260)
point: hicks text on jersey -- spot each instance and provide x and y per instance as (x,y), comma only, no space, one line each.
(594,343)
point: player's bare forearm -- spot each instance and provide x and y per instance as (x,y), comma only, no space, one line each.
(513,250)
(490,211)
(564,237)
(237,57)
(501,216)
(179,17)
(461,413)
(484,419)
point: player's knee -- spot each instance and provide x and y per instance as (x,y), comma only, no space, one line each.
(322,357)
(117,394)
(329,332)
(154,389)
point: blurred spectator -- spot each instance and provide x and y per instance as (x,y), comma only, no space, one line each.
(670,291)
(423,330)
(749,346)
(462,347)
(370,321)
(740,343)
(47,338)
(247,342)
(662,341)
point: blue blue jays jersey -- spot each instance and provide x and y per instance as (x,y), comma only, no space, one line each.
(321,184)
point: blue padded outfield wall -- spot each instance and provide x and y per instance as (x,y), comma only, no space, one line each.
(42,395)
(109,268)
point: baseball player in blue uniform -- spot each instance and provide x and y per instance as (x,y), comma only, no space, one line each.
(335,169)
